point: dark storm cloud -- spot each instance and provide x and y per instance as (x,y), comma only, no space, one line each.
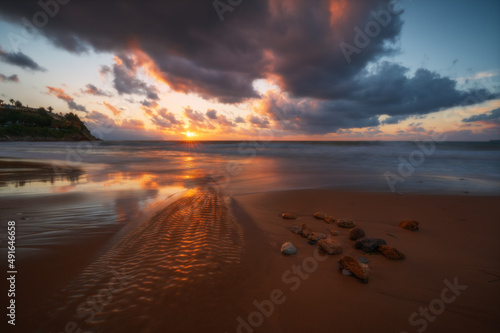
(20,59)
(11,78)
(385,90)
(197,53)
(491,116)
(298,43)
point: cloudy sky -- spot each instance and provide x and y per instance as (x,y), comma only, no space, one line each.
(240,69)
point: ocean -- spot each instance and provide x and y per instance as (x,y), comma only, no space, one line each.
(256,166)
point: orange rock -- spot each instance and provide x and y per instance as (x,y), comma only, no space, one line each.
(330,219)
(346,223)
(330,246)
(355,267)
(409,224)
(391,252)
(305,231)
(320,215)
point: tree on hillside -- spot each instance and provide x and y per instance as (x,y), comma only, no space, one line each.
(18,104)
(71,117)
(11,101)
(50,108)
(1,101)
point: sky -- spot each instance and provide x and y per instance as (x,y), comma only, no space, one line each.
(258,69)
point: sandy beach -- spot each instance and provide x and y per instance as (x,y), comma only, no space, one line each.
(151,237)
(221,269)
(457,241)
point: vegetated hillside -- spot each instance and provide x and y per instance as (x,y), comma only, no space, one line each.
(27,124)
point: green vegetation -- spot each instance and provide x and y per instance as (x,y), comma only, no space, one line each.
(27,124)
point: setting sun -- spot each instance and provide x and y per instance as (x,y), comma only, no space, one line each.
(190,134)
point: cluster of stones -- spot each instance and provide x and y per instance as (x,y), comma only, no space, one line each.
(347,265)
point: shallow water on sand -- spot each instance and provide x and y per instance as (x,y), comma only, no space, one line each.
(139,284)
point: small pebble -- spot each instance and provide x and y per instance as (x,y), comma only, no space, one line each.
(409,224)
(356,233)
(391,252)
(289,216)
(320,215)
(346,272)
(346,223)
(330,219)
(363,260)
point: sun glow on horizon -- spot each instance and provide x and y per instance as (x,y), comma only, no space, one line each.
(190,135)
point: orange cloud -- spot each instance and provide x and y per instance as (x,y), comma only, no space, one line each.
(59,93)
(114,109)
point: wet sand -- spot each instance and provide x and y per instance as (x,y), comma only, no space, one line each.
(212,263)
(458,239)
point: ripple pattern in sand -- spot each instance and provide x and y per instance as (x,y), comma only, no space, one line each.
(167,261)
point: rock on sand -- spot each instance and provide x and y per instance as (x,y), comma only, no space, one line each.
(369,245)
(346,223)
(356,233)
(329,246)
(316,236)
(320,215)
(391,252)
(330,219)
(305,231)
(409,224)
(288,248)
(355,267)
(289,216)
(313,236)
(363,260)
(296,229)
